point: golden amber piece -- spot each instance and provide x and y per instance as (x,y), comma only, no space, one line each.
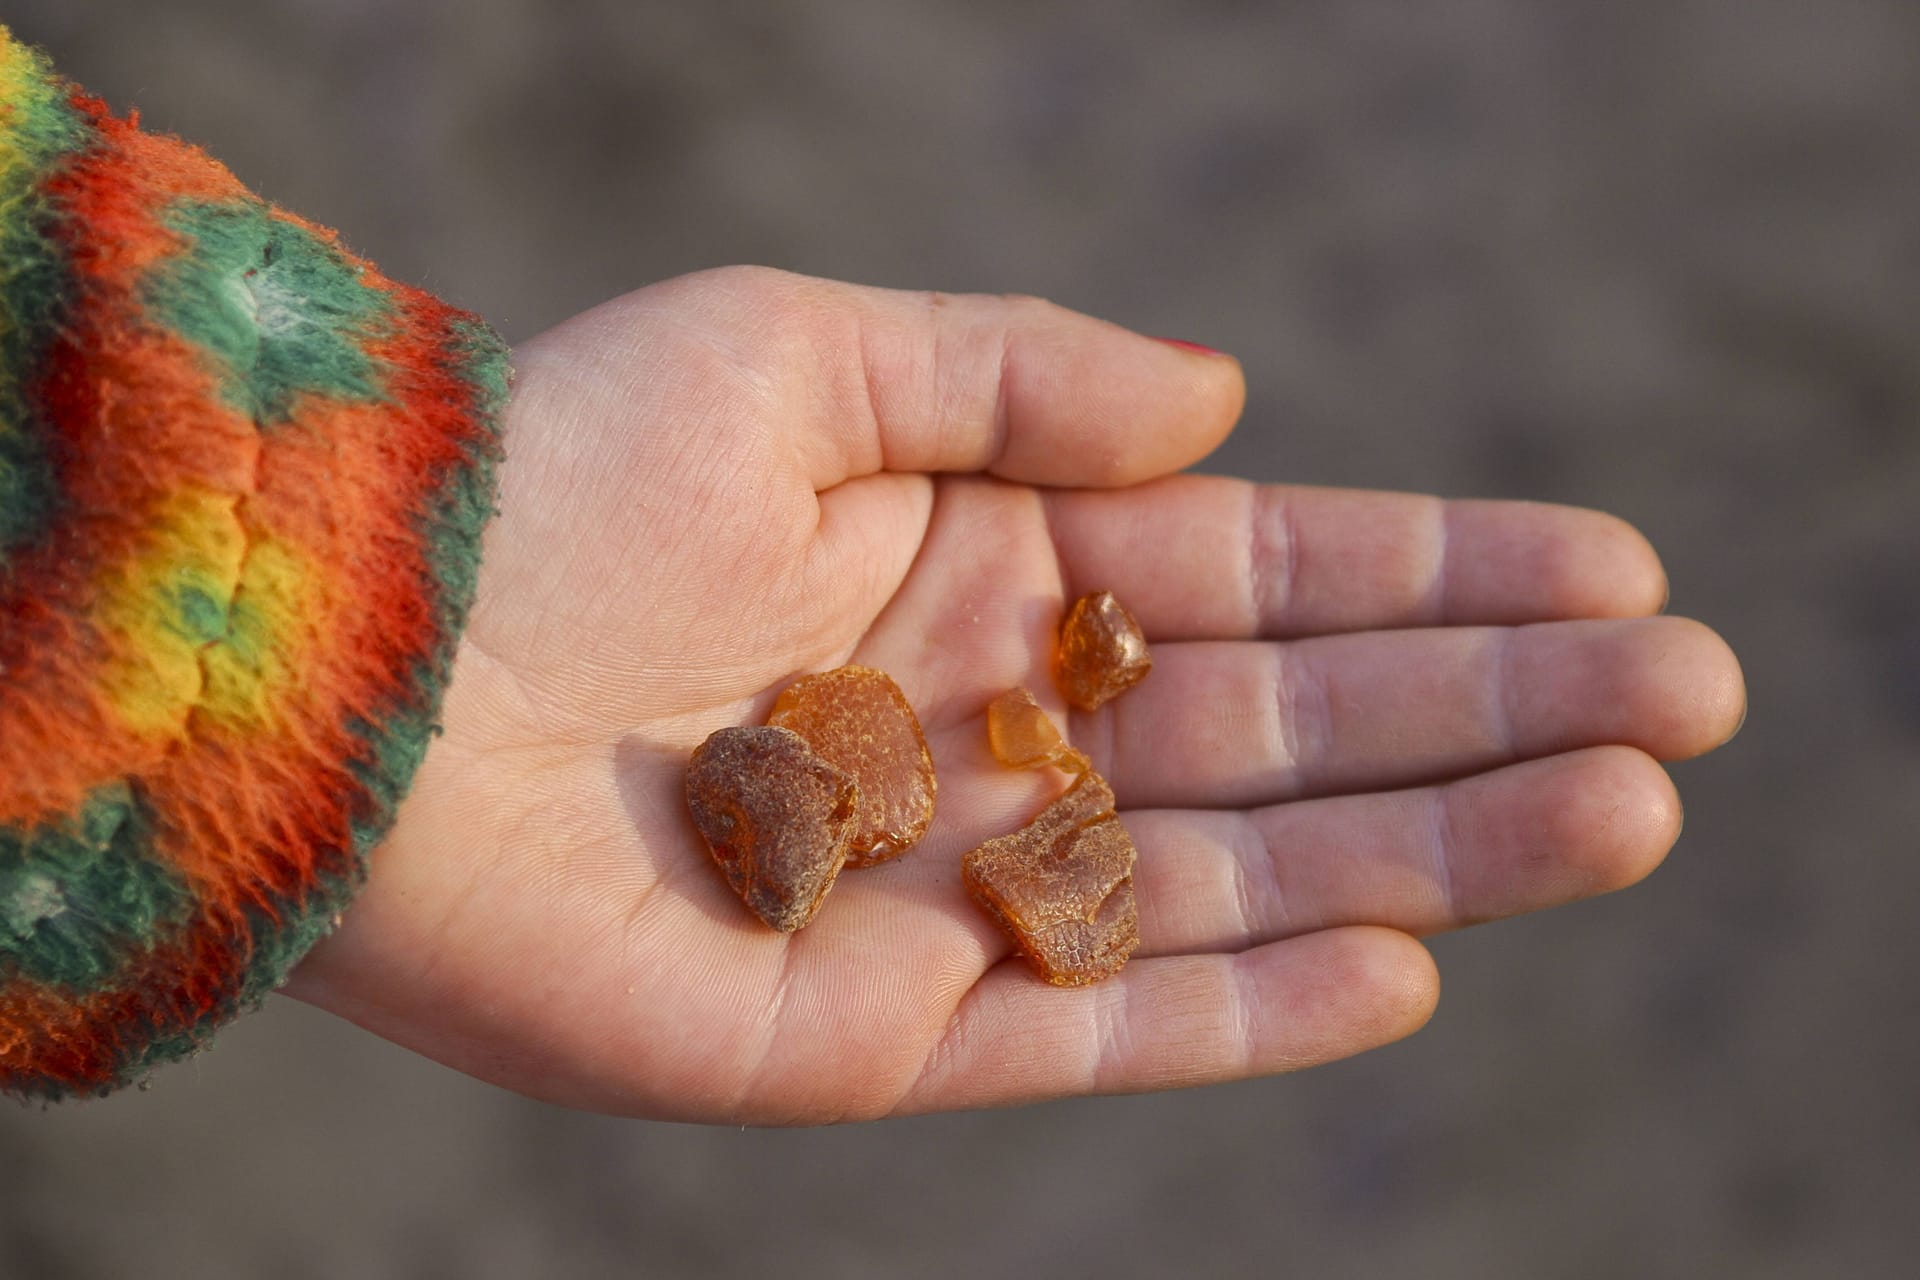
(856,719)
(1103,652)
(1022,737)
(777,817)
(1062,886)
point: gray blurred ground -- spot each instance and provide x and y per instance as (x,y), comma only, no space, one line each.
(1656,256)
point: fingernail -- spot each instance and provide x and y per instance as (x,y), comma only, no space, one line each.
(1194,347)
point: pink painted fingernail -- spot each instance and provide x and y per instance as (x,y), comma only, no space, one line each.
(1194,347)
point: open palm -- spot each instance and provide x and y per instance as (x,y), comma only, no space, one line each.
(1371,716)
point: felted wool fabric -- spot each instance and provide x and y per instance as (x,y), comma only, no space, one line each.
(242,483)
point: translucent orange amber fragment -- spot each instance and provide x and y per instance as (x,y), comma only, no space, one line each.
(1062,886)
(1103,652)
(777,817)
(856,719)
(1022,737)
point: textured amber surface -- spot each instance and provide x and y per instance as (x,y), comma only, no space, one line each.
(1022,737)
(856,719)
(1103,652)
(1062,886)
(777,817)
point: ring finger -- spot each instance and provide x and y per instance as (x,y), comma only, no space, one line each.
(1522,838)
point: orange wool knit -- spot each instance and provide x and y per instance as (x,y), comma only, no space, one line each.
(242,483)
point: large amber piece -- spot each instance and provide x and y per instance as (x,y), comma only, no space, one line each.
(856,719)
(1062,886)
(777,817)
(1103,652)
(1022,737)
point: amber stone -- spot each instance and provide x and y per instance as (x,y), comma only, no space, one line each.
(1103,652)
(856,719)
(776,816)
(1062,886)
(1022,737)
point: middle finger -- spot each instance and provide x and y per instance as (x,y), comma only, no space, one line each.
(1231,724)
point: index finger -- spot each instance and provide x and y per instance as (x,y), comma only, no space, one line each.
(1211,558)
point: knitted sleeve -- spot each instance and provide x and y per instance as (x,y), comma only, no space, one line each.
(242,482)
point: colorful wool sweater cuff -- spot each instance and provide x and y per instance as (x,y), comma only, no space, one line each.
(242,482)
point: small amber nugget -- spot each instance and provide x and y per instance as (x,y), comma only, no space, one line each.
(1022,737)
(1103,652)
(857,720)
(1062,886)
(777,817)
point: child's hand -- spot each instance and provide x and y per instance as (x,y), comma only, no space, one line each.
(1371,716)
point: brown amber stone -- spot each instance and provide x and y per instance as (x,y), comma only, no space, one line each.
(1062,886)
(856,719)
(1022,737)
(1103,652)
(776,816)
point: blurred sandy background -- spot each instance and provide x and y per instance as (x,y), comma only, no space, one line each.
(1656,256)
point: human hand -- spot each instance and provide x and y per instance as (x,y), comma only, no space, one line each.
(1371,717)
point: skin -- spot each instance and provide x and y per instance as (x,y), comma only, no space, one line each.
(1372,717)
